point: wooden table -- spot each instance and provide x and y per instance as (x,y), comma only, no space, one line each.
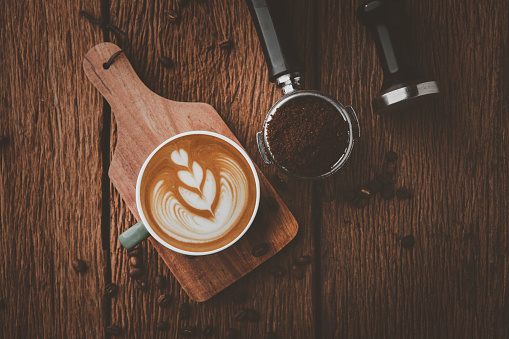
(57,203)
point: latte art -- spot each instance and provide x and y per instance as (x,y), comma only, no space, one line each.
(199,193)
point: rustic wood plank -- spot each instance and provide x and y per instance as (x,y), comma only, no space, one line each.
(235,83)
(452,153)
(50,186)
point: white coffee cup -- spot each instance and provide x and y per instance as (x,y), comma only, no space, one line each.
(140,231)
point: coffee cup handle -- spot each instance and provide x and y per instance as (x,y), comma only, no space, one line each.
(133,236)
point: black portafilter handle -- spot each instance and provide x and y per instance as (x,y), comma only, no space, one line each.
(403,85)
(277,44)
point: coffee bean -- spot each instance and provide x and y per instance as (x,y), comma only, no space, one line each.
(277,271)
(240,315)
(172,16)
(142,285)
(188,331)
(391,156)
(226,44)
(162,326)
(240,297)
(408,241)
(183,3)
(135,252)
(404,193)
(164,300)
(160,282)
(4,141)
(79,265)
(185,311)
(232,333)
(135,272)
(270,335)
(113,330)
(375,185)
(208,330)
(297,272)
(390,168)
(260,249)
(280,183)
(111,290)
(253,315)
(272,204)
(165,62)
(388,193)
(304,260)
(135,262)
(2,304)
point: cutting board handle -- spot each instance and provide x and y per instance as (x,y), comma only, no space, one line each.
(119,84)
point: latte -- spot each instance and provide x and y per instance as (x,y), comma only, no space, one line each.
(198,193)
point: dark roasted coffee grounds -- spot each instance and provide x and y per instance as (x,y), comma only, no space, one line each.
(307,136)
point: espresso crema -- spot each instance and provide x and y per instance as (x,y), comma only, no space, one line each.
(198,193)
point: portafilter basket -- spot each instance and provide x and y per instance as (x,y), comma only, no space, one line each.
(284,68)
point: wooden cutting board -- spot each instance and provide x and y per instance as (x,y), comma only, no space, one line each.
(144,120)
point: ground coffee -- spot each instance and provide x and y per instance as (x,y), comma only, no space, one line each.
(307,136)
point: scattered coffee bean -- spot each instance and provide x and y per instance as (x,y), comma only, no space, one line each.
(165,62)
(164,300)
(388,193)
(272,204)
(160,282)
(297,272)
(135,261)
(240,297)
(185,311)
(111,290)
(408,241)
(391,156)
(162,326)
(2,303)
(270,335)
(183,3)
(79,265)
(390,168)
(142,285)
(375,185)
(4,140)
(253,315)
(172,16)
(280,183)
(232,333)
(113,330)
(135,272)
(365,193)
(240,315)
(208,330)
(277,271)
(404,193)
(188,331)
(304,260)
(260,249)
(226,44)
(135,252)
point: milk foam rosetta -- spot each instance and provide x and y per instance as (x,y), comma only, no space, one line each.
(198,193)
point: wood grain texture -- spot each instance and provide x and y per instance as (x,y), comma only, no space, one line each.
(453,154)
(453,284)
(236,84)
(50,170)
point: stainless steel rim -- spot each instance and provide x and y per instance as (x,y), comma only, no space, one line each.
(398,98)
(332,101)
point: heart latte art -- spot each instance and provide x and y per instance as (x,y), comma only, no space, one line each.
(198,193)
